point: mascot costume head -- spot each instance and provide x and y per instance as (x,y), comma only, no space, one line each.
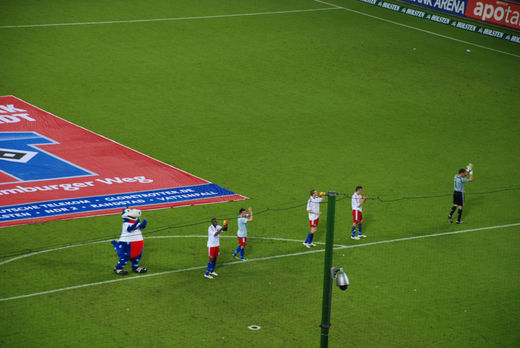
(130,245)
(131,214)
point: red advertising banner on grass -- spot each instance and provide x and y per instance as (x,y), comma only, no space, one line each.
(51,169)
(495,11)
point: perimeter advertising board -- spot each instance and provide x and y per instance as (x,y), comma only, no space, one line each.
(454,7)
(499,12)
(494,11)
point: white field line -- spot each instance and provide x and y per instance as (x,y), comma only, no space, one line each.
(334,6)
(328,3)
(428,236)
(165,19)
(151,237)
(49,250)
(257,259)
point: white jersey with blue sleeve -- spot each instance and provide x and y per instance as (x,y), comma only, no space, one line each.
(242,226)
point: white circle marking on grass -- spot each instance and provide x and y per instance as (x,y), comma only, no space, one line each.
(151,237)
(249,260)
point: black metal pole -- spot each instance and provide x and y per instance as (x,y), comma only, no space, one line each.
(327,277)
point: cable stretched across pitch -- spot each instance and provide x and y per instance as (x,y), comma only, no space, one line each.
(277,208)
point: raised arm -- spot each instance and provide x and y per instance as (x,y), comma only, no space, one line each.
(250,217)
(220,229)
(134,226)
(469,168)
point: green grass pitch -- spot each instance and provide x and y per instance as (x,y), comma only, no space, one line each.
(270,106)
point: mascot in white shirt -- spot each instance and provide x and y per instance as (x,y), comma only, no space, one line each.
(130,245)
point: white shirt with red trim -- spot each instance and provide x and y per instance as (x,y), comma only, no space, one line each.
(242,226)
(314,205)
(213,241)
(356,202)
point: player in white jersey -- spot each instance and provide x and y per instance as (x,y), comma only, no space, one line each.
(313,208)
(357,213)
(213,245)
(130,245)
(243,219)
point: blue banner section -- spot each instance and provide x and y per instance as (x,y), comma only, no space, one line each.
(454,7)
(21,159)
(114,201)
